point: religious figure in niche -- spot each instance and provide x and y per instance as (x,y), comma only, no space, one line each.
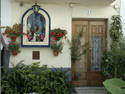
(36,27)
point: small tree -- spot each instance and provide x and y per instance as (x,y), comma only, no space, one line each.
(77,48)
(115,34)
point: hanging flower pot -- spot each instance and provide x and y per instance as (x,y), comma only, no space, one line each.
(14,53)
(56,53)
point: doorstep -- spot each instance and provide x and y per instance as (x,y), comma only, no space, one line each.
(91,90)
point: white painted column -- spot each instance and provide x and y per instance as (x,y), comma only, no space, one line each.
(5,15)
(5,12)
(122,13)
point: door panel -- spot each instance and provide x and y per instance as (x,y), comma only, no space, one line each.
(89,68)
(80,67)
(96,53)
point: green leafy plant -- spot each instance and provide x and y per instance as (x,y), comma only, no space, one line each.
(23,79)
(14,48)
(116,28)
(76,76)
(115,86)
(108,64)
(115,34)
(77,48)
(113,60)
(108,61)
(57,46)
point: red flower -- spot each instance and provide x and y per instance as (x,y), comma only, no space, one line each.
(14,43)
(54,38)
(29,37)
(42,37)
(14,40)
(59,34)
(53,33)
(13,26)
(57,38)
(3,33)
(6,31)
(10,44)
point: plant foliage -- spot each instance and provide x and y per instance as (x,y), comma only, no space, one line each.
(115,86)
(57,46)
(77,48)
(116,28)
(14,31)
(23,79)
(113,60)
(57,34)
(13,46)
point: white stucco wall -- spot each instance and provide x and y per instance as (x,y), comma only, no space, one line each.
(61,17)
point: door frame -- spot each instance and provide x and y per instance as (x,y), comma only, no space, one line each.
(106,33)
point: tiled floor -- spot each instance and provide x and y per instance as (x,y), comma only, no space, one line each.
(90,90)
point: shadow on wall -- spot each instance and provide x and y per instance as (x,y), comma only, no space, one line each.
(5,56)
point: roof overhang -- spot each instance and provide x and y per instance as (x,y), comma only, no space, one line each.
(90,2)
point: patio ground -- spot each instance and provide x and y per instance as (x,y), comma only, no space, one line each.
(90,90)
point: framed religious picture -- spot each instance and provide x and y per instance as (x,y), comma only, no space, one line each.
(36,28)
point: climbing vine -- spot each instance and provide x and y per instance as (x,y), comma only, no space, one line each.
(112,59)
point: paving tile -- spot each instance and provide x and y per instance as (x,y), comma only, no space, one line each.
(91,90)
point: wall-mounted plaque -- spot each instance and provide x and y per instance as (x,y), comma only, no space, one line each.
(36,28)
(36,55)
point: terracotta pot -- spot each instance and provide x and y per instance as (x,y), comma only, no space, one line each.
(75,83)
(56,53)
(14,53)
(13,38)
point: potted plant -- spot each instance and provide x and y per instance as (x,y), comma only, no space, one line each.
(13,32)
(57,34)
(75,78)
(57,47)
(14,48)
(56,44)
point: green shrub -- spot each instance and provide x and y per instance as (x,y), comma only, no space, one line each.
(108,66)
(23,79)
(113,61)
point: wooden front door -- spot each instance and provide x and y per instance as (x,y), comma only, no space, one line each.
(87,71)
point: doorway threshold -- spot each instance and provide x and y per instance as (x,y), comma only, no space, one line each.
(91,90)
